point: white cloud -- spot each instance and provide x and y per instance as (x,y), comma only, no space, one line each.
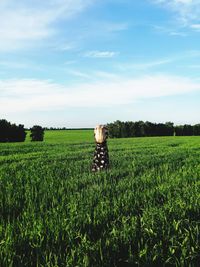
(79,74)
(22,22)
(65,47)
(36,95)
(144,65)
(177,33)
(196,27)
(100,54)
(187,12)
(13,65)
(106,75)
(114,27)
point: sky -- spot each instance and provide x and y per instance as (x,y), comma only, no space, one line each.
(78,63)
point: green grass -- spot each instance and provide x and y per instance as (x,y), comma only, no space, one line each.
(69,136)
(143,211)
(66,136)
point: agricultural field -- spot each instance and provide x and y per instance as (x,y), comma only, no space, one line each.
(143,211)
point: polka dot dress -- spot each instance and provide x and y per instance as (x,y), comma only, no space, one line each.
(101,157)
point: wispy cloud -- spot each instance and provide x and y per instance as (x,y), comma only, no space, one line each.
(69,62)
(114,27)
(22,23)
(106,75)
(144,65)
(65,47)
(177,33)
(171,30)
(170,60)
(197,66)
(37,95)
(79,74)
(13,65)
(100,54)
(196,27)
(187,12)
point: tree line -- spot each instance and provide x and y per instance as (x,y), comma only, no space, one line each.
(17,133)
(120,129)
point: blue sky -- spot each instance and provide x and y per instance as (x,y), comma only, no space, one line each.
(77,63)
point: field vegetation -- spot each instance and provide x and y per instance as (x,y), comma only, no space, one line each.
(143,211)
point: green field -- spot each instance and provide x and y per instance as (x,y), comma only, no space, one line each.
(143,211)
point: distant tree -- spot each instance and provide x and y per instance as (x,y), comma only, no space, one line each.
(114,129)
(119,129)
(11,132)
(149,128)
(196,129)
(178,130)
(159,129)
(169,128)
(139,127)
(128,129)
(18,133)
(184,130)
(187,130)
(4,130)
(37,133)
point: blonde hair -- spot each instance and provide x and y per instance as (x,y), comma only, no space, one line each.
(100,133)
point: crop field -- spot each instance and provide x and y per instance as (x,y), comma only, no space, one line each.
(143,211)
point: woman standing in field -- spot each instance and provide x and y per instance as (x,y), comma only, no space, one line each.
(101,157)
